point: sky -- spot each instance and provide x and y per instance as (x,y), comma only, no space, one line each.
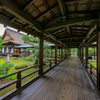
(2,29)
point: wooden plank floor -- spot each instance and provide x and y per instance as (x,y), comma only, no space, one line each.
(67,81)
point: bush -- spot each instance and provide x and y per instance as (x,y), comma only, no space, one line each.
(15,58)
(20,66)
(10,55)
(5,67)
(30,57)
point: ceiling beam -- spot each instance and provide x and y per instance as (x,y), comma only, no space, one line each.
(22,15)
(82,26)
(63,12)
(28,4)
(45,12)
(73,1)
(83,12)
(70,22)
(74,37)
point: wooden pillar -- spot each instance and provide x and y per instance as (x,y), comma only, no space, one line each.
(82,53)
(56,53)
(98,59)
(65,53)
(86,55)
(41,54)
(94,52)
(51,52)
(61,53)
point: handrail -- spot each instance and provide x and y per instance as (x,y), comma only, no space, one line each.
(18,71)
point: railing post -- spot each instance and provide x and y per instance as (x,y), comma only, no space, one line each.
(50,63)
(90,69)
(18,84)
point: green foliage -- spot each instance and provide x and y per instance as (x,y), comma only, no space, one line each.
(90,50)
(5,67)
(35,48)
(20,66)
(10,55)
(74,50)
(30,57)
(1,42)
(15,58)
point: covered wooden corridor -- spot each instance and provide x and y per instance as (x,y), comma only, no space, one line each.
(67,81)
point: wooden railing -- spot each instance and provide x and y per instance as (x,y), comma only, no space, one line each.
(19,87)
(93,72)
(18,80)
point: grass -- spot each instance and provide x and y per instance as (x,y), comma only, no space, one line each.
(12,69)
(94,64)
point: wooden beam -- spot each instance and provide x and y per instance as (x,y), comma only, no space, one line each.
(82,26)
(63,32)
(98,58)
(62,7)
(72,42)
(79,30)
(41,54)
(86,55)
(83,12)
(28,4)
(18,27)
(63,12)
(45,12)
(70,22)
(58,30)
(22,15)
(74,37)
(73,1)
(56,53)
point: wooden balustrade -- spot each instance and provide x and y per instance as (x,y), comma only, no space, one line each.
(92,71)
(19,79)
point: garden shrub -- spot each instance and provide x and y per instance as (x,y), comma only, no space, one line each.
(15,58)
(20,66)
(5,67)
(30,57)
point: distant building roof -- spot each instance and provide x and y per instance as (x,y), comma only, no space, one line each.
(12,37)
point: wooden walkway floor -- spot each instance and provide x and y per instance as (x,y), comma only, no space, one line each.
(67,81)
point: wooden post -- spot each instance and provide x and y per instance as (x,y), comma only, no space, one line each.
(61,53)
(94,52)
(18,84)
(65,53)
(86,55)
(98,59)
(51,52)
(82,53)
(41,54)
(56,53)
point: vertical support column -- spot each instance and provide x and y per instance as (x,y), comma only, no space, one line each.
(86,55)
(41,54)
(82,53)
(51,52)
(98,59)
(56,53)
(94,52)
(61,53)
(65,53)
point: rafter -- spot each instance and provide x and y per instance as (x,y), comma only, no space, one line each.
(22,15)
(45,12)
(63,12)
(74,37)
(70,22)
(28,4)
(84,26)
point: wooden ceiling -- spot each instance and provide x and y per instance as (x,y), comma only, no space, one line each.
(67,22)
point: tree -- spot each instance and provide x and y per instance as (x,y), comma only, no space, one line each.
(1,43)
(34,42)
